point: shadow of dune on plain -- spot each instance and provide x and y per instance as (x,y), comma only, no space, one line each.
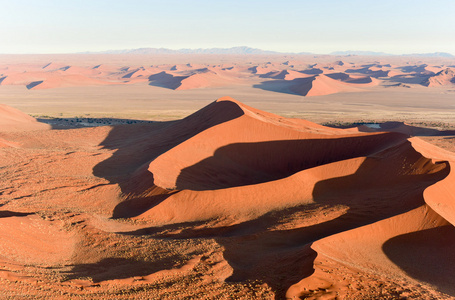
(277,86)
(413,69)
(348,79)
(297,86)
(339,76)
(278,74)
(119,268)
(166,80)
(313,71)
(399,127)
(426,255)
(367,71)
(84,122)
(33,84)
(8,213)
(409,79)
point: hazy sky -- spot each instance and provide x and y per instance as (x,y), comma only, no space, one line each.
(61,26)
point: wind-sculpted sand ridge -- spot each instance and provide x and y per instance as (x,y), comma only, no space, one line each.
(229,202)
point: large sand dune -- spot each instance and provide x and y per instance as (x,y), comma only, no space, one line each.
(443,77)
(229,202)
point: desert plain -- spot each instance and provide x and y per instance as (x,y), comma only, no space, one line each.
(227,177)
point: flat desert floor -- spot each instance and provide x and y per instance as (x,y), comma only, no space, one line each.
(213,177)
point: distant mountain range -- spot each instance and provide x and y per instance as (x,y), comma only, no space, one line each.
(243,50)
(368,53)
(372,53)
(234,50)
(434,54)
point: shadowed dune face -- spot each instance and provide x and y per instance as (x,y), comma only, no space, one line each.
(137,145)
(312,71)
(427,255)
(166,80)
(443,77)
(33,84)
(368,71)
(298,86)
(252,163)
(317,85)
(339,76)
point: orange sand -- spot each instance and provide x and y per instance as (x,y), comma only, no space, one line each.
(229,202)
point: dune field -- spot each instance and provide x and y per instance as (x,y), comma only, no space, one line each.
(225,177)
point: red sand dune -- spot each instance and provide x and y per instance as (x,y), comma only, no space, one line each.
(320,85)
(444,77)
(365,80)
(316,85)
(206,79)
(284,74)
(200,78)
(231,201)
(259,70)
(417,244)
(264,157)
(12,119)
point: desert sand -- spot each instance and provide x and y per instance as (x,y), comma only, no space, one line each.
(219,197)
(165,87)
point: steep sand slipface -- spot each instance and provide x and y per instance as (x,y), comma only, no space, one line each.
(440,196)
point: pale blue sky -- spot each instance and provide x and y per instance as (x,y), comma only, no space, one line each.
(62,26)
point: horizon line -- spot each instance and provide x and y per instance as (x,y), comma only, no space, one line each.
(266,52)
